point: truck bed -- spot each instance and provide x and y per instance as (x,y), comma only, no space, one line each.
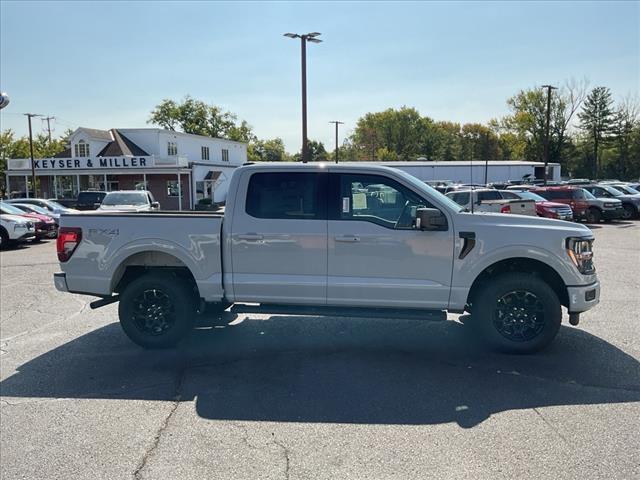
(112,242)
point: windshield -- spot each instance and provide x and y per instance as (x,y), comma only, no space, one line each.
(613,191)
(627,189)
(10,209)
(119,198)
(587,194)
(33,208)
(55,205)
(531,196)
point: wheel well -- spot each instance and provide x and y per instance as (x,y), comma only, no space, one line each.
(147,262)
(522,265)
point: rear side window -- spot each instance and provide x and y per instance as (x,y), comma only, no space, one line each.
(287,195)
(461,198)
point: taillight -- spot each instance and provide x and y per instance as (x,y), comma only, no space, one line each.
(505,209)
(68,239)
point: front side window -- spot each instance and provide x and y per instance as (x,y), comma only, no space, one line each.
(82,149)
(489,195)
(378,200)
(205,153)
(225,155)
(285,195)
(172,148)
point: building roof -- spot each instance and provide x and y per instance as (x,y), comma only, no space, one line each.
(121,146)
(66,153)
(97,134)
(182,134)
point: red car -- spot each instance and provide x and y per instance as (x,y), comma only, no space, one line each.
(46,227)
(575,197)
(544,208)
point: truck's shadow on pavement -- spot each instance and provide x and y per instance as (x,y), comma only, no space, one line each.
(305,369)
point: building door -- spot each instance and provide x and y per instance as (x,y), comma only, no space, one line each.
(279,239)
(376,256)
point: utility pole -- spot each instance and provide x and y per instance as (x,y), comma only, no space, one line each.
(307,37)
(337,123)
(33,166)
(48,119)
(546,134)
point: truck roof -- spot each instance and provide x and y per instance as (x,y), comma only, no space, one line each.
(317,166)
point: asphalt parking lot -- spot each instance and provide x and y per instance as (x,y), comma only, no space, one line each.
(263,397)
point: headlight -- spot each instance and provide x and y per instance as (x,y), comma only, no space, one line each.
(580,251)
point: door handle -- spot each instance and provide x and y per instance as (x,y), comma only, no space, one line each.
(347,238)
(251,237)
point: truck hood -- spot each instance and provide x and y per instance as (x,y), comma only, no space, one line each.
(123,208)
(518,224)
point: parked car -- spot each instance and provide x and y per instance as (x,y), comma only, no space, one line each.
(90,200)
(626,188)
(630,202)
(29,208)
(584,205)
(579,181)
(308,239)
(14,228)
(489,200)
(45,226)
(544,208)
(129,201)
(49,205)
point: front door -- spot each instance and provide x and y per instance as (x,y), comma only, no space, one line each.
(279,239)
(376,255)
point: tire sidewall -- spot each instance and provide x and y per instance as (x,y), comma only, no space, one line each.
(487,298)
(629,212)
(183,302)
(594,215)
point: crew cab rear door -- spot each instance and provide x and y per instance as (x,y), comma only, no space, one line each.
(376,255)
(279,238)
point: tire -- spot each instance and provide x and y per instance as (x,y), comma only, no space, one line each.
(527,330)
(4,238)
(629,212)
(594,215)
(157,310)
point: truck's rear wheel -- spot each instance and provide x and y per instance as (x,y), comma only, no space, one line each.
(157,310)
(517,313)
(629,212)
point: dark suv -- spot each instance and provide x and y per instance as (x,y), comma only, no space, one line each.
(90,200)
(630,202)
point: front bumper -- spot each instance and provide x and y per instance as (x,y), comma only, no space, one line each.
(60,281)
(612,214)
(583,298)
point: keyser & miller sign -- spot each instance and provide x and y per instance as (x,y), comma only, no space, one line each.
(88,163)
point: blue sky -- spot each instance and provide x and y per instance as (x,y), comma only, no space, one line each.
(106,65)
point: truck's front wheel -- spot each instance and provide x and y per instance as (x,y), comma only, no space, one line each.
(517,313)
(157,310)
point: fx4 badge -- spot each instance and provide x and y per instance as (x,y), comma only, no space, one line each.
(108,232)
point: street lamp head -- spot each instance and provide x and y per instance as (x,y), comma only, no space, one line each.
(313,34)
(292,35)
(314,40)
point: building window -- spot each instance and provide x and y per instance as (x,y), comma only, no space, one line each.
(82,149)
(225,155)
(172,148)
(172,189)
(205,153)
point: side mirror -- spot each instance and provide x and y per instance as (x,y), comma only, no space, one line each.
(430,219)
(155,205)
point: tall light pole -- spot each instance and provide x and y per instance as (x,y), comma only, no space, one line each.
(33,166)
(546,133)
(337,123)
(307,37)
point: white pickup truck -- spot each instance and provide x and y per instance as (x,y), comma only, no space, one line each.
(491,200)
(317,239)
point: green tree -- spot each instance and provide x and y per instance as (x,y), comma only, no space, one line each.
(479,142)
(596,120)
(267,151)
(624,128)
(317,152)
(199,118)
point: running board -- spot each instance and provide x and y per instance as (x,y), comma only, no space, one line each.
(404,313)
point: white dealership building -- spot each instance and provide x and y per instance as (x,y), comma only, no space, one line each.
(178,168)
